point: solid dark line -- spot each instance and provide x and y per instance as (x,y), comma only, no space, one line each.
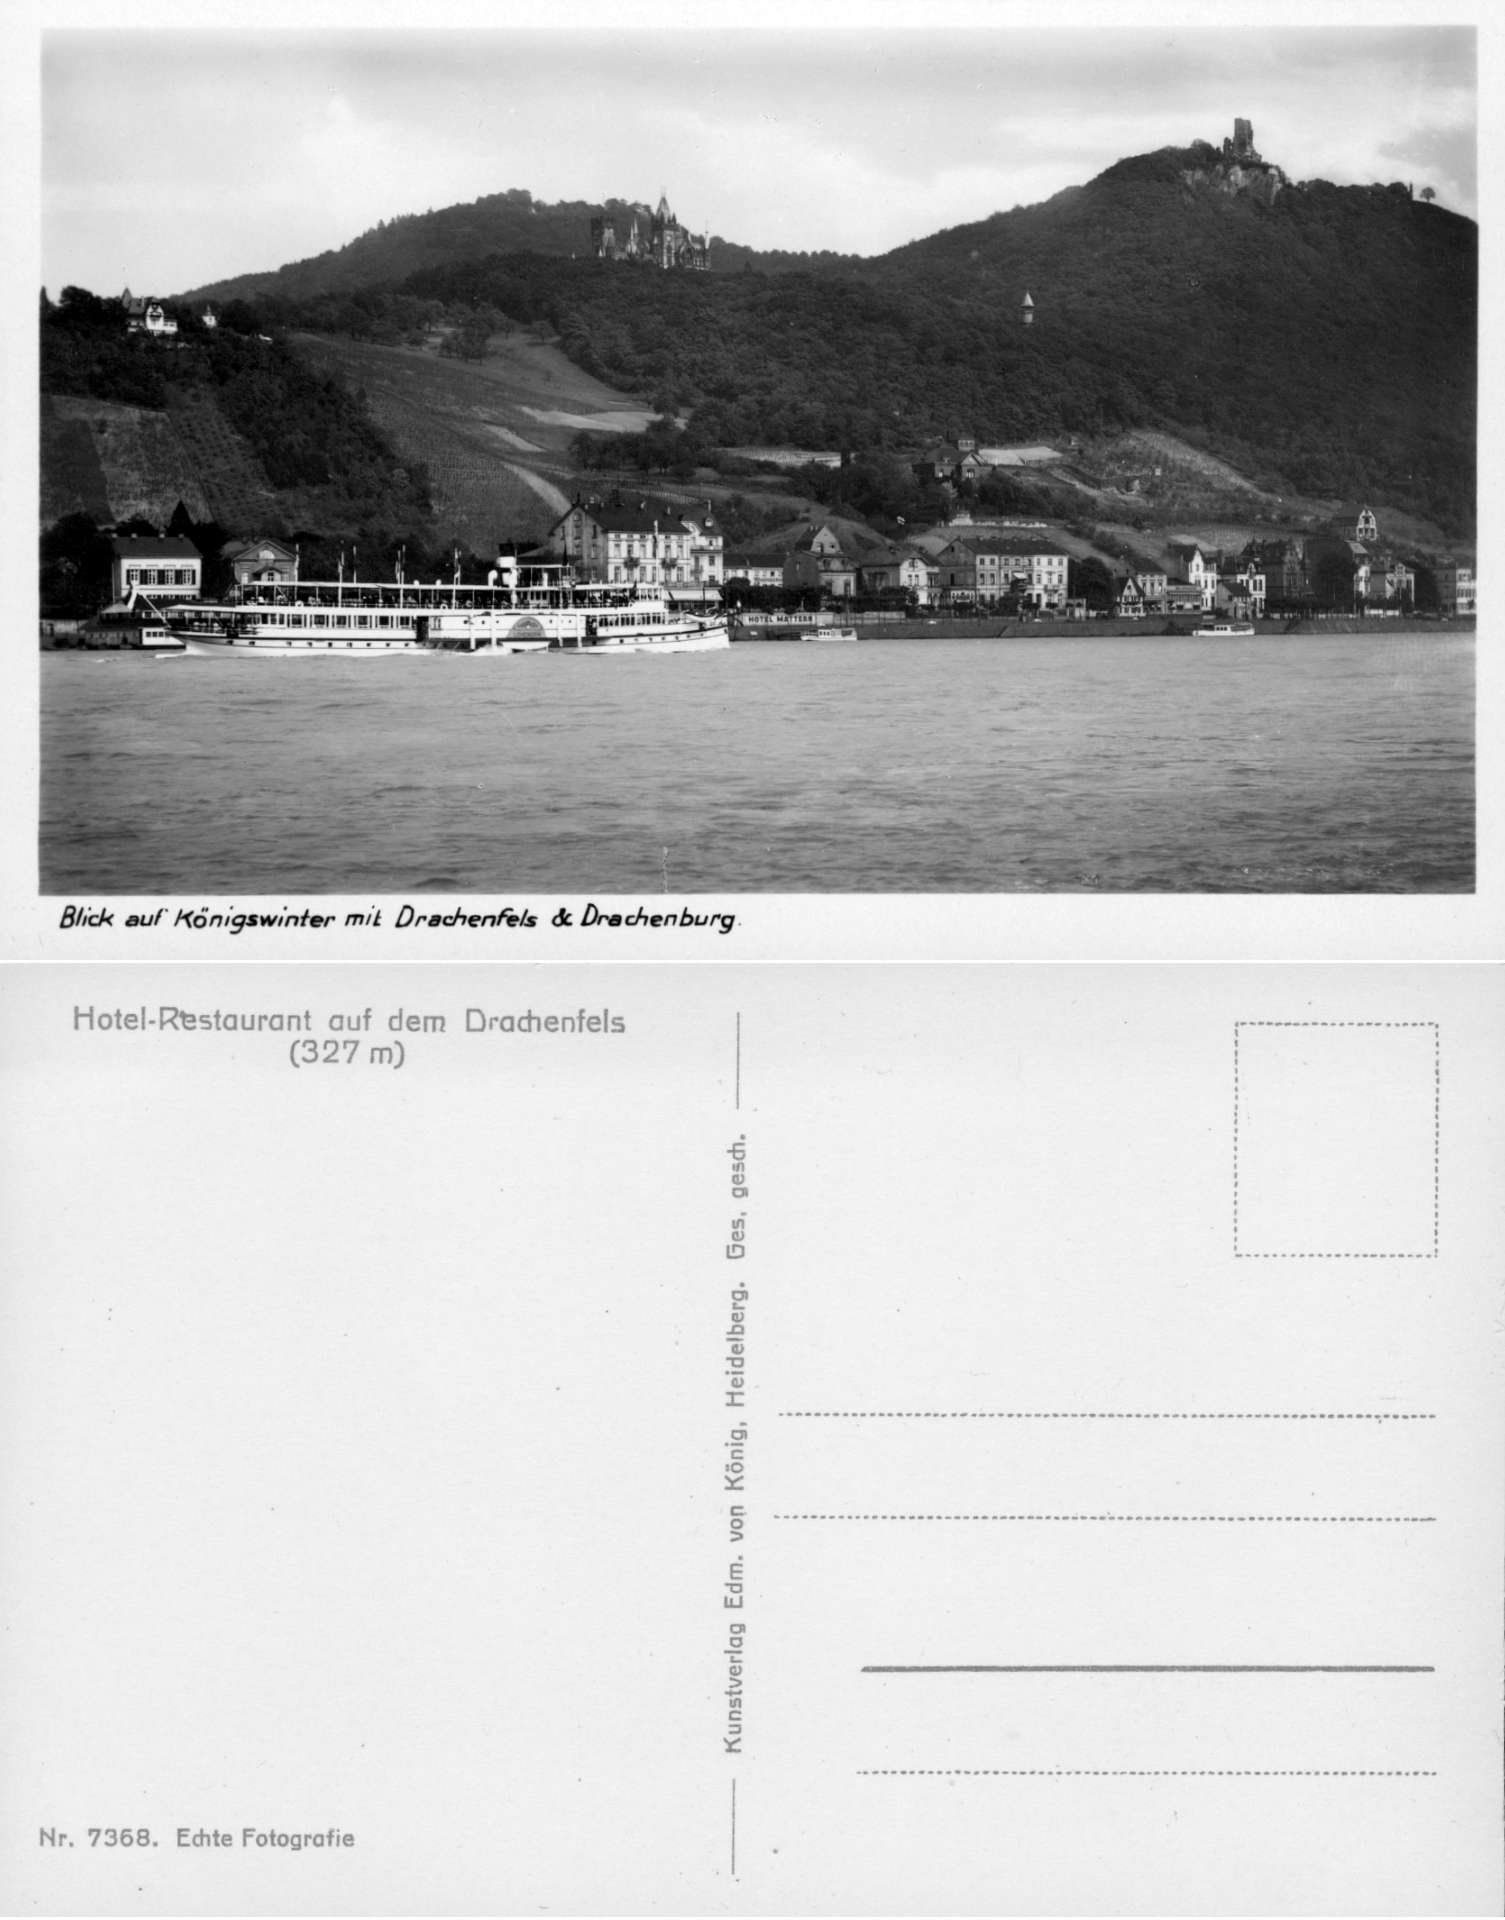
(1146,1669)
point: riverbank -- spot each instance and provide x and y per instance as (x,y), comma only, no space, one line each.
(76,635)
(950,627)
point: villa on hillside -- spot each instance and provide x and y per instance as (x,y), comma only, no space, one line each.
(1356,523)
(143,315)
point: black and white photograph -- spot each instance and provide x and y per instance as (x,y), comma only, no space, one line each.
(873,458)
(750,926)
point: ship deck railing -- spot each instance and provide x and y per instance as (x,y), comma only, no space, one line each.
(437,597)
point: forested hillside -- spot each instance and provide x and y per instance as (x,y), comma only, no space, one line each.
(511,222)
(210,404)
(1325,343)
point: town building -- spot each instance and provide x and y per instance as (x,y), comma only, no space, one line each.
(753,569)
(1283,565)
(898,569)
(260,561)
(1391,582)
(1182,597)
(707,553)
(1195,566)
(1036,567)
(647,544)
(818,560)
(1456,587)
(166,568)
(985,567)
(1241,590)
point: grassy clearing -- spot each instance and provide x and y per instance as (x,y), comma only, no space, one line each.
(493,434)
(73,481)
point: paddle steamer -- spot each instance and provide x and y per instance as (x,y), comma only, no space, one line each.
(521,609)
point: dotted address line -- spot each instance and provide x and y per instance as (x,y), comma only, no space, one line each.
(1151,1773)
(966,1415)
(1227,1519)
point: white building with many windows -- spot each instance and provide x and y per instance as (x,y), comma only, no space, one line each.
(646,544)
(168,568)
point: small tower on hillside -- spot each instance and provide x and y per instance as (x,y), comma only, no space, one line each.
(1027,311)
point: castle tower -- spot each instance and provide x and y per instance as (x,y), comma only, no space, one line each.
(1241,146)
(1027,311)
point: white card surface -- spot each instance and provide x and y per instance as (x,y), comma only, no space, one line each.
(770,1440)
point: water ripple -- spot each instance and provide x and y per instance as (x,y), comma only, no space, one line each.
(1028,765)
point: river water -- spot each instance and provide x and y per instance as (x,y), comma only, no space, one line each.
(1141,764)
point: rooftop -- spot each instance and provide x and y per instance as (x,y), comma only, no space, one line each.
(166,547)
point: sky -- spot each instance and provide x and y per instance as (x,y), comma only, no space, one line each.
(173,157)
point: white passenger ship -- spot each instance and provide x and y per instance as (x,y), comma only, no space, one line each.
(521,609)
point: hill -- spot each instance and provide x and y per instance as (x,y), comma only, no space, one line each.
(509,222)
(232,425)
(493,435)
(1321,340)
(1324,337)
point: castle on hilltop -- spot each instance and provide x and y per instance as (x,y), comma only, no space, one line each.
(1241,146)
(650,238)
(1237,168)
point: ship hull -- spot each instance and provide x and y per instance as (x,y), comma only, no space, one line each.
(325,621)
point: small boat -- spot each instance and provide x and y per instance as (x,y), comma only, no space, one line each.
(1225,630)
(787,631)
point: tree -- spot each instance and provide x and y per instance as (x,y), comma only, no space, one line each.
(1090,580)
(1429,194)
(75,570)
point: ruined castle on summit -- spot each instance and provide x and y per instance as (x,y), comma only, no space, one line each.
(650,238)
(1239,168)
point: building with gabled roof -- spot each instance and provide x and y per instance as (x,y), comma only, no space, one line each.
(1356,522)
(899,569)
(643,543)
(260,560)
(165,568)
